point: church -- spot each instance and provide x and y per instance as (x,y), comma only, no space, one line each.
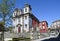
(24,20)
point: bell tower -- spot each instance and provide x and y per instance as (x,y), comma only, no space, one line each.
(27,8)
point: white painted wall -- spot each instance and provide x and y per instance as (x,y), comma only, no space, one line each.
(7,39)
(16,22)
(21,20)
(27,10)
(26,21)
(14,13)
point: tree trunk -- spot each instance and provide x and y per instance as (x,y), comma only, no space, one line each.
(3,28)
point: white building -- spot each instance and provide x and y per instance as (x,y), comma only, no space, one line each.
(55,24)
(23,20)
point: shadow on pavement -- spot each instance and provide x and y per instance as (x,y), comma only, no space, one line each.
(53,39)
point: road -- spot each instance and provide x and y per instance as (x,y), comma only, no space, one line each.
(53,39)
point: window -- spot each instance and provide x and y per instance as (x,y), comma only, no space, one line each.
(43,23)
(25,25)
(25,9)
(25,17)
(19,20)
(43,27)
(14,14)
(14,19)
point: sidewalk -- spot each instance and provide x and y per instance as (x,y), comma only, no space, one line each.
(46,38)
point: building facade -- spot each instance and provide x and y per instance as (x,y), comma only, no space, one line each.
(43,26)
(55,24)
(24,20)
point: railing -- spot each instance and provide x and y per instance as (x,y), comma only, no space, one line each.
(32,35)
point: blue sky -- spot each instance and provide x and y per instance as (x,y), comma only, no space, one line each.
(48,10)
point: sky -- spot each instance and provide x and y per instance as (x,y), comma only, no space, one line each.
(48,10)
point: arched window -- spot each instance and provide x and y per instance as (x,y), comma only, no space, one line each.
(25,25)
(25,9)
(25,17)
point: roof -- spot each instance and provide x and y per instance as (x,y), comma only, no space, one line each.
(31,15)
(17,9)
(56,21)
(27,5)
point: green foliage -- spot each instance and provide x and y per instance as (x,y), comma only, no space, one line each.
(10,40)
(1,26)
(6,8)
(5,11)
(10,29)
(21,39)
(6,5)
(1,23)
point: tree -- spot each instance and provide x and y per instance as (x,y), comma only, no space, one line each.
(10,29)
(6,7)
(1,26)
